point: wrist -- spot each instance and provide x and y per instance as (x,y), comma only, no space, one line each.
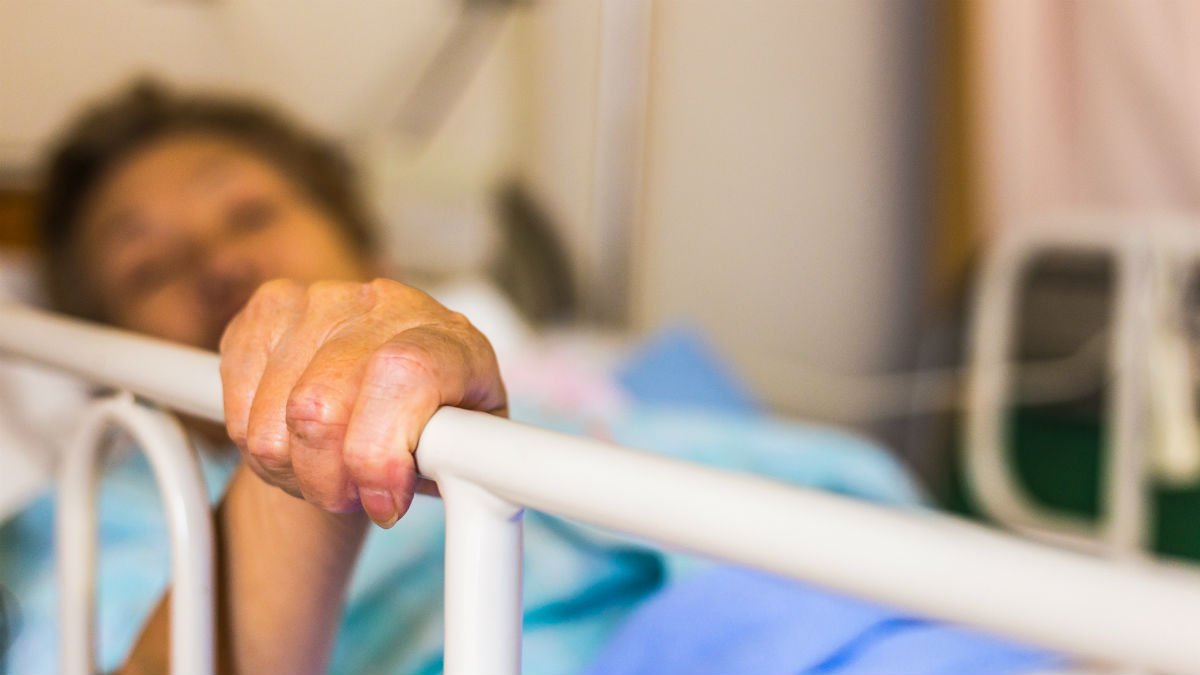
(275,515)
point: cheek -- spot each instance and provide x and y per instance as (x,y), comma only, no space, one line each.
(310,251)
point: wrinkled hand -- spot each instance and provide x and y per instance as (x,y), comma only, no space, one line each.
(328,386)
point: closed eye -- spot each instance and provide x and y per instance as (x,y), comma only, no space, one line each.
(148,275)
(250,215)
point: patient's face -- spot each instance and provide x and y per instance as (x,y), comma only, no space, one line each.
(179,236)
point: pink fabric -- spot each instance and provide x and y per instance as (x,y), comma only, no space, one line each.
(1090,104)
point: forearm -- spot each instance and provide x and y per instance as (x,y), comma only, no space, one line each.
(283,566)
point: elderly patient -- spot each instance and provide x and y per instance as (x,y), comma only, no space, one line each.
(217,224)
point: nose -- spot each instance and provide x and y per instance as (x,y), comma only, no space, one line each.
(228,275)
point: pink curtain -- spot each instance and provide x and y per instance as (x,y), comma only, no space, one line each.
(1092,104)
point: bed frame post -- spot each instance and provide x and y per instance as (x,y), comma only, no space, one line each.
(483,580)
(181,487)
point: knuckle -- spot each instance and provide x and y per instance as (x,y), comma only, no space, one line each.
(315,433)
(402,294)
(316,404)
(237,434)
(278,289)
(273,478)
(459,322)
(273,296)
(270,448)
(289,487)
(399,364)
(326,291)
(386,287)
(375,289)
(380,284)
(262,472)
(343,297)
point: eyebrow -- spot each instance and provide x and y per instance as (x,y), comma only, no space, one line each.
(214,164)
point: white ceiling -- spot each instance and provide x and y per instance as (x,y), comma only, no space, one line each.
(327,61)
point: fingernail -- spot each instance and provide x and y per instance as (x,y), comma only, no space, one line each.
(379,505)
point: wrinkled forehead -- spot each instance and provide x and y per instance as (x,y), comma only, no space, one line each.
(170,175)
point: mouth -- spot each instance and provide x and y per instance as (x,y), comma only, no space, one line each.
(221,319)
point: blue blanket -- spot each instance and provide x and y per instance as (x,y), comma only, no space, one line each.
(729,621)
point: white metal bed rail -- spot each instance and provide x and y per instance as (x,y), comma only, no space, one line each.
(1142,614)
(185,502)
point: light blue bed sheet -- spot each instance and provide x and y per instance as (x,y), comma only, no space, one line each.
(580,585)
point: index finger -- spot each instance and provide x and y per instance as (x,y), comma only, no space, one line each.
(246,348)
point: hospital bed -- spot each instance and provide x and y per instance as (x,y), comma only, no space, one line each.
(1137,613)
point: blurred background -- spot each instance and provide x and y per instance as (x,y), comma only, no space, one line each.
(805,188)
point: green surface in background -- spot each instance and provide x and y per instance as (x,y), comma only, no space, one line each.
(1058,461)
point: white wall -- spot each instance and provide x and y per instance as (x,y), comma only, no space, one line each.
(773,209)
(772,212)
(51,53)
(560,42)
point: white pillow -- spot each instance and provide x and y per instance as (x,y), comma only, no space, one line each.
(39,408)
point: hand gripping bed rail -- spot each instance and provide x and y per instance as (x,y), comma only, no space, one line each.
(1142,614)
